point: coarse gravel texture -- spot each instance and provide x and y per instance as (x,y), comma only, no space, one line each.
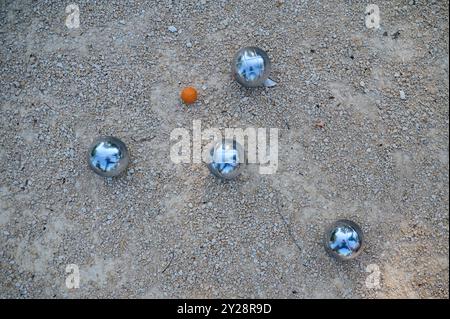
(364,129)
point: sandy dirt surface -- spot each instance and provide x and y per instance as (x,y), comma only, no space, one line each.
(363,123)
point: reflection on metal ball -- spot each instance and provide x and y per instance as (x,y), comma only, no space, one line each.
(226,159)
(108,156)
(251,67)
(344,240)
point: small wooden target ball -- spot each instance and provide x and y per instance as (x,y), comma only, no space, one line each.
(189,95)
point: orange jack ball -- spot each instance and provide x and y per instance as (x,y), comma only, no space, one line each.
(189,95)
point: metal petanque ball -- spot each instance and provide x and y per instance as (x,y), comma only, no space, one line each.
(108,156)
(344,240)
(251,67)
(226,159)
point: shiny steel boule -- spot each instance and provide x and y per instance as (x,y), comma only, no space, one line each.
(251,67)
(344,240)
(108,156)
(226,159)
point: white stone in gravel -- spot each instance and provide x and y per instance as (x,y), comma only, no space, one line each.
(402,95)
(172,29)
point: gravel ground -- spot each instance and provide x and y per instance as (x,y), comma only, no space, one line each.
(364,130)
